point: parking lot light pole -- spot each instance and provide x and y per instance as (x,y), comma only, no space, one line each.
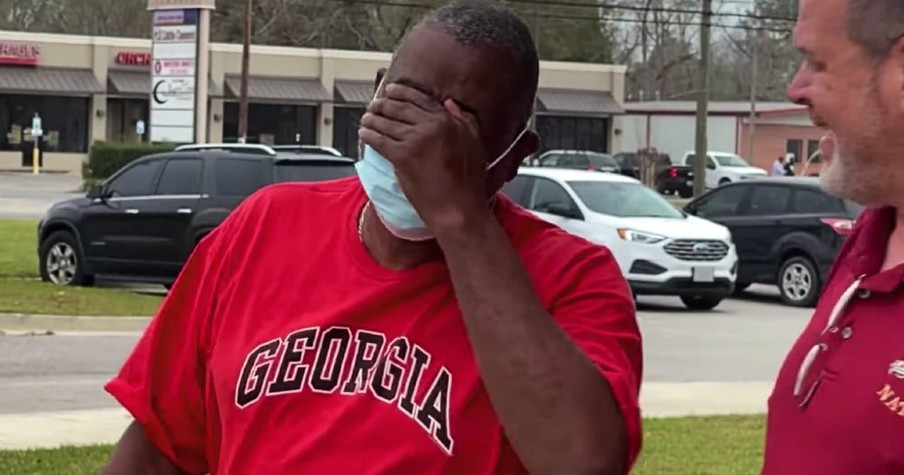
(243,88)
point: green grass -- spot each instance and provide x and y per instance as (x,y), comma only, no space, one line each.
(722,445)
(18,248)
(36,297)
(684,446)
(21,292)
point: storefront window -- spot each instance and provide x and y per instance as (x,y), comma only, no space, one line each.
(122,119)
(64,121)
(573,133)
(272,124)
(345,129)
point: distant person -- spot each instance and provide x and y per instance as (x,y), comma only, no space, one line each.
(837,407)
(789,166)
(410,320)
(778,166)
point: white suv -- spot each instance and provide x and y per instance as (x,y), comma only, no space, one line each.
(722,168)
(660,249)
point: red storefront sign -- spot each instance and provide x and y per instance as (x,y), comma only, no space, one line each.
(127,58)
(18,53)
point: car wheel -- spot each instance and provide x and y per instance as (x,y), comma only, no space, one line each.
(62,262)
(700,302)
(685,193)
(798,282)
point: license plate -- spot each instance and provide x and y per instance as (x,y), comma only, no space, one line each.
(704,274)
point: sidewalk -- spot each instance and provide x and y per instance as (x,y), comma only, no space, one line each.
(104,426)
(64,323)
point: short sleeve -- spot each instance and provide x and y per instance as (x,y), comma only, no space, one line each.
(596,309)
(163,383)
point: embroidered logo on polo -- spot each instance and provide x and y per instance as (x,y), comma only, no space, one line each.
(897,369)
(887,395)
(390,371)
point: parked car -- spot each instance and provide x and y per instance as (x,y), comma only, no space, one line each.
(143,222)
(307,149)
(660,249)
(722,168)
(787,230)
(670,178)
(578,160)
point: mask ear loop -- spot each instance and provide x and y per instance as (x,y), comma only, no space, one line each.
(376,93)
(509,149)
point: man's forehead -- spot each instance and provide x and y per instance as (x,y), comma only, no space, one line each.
(433,62)
(820,21)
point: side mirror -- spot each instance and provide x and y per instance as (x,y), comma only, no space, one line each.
(564,210)
(96,192)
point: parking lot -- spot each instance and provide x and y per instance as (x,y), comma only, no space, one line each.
(742,341)
(23,195)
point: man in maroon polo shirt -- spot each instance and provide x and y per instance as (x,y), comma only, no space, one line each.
(838,403)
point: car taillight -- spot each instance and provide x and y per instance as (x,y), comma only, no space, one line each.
(840,226)
(673,172)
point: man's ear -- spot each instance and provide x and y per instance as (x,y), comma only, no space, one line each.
(528,145)
(379,78)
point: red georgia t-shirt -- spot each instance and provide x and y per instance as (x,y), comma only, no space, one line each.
(284,347)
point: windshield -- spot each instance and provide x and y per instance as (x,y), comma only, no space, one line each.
(728,160)
(313,171)
(625,200)
(601,160)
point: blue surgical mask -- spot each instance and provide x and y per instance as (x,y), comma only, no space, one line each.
(378,177)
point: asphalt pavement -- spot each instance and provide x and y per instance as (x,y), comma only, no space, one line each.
(743,340)
(27,196)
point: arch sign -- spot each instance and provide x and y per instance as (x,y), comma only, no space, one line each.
(173,69)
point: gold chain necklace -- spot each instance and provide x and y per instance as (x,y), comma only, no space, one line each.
(361,221)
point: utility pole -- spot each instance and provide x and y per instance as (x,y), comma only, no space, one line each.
(751,126)
(701,151)
(535,10)
(243,88)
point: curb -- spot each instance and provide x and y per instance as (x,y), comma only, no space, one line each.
(63,323)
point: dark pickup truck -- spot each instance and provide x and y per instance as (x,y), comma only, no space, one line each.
(670,178)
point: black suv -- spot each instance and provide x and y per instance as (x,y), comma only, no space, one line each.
(142,223)
(786,229)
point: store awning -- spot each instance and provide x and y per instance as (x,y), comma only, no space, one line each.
(282,89)
(42,80)
(355,92)
(570,101)
(138,83)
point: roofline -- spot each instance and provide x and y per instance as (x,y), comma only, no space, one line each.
(313,53)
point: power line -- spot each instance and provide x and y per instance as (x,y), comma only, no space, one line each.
(633,8)
(601,19)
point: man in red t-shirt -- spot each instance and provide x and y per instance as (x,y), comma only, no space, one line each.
(838,403)
(409,320)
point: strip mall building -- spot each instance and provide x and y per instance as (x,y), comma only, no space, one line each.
(88,89)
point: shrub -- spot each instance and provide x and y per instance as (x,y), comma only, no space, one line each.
(107,158)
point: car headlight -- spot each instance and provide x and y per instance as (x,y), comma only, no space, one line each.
(639,237)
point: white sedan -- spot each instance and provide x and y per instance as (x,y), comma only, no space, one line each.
(660,249)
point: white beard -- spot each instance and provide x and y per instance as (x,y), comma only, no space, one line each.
(842,177)
(831,178)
